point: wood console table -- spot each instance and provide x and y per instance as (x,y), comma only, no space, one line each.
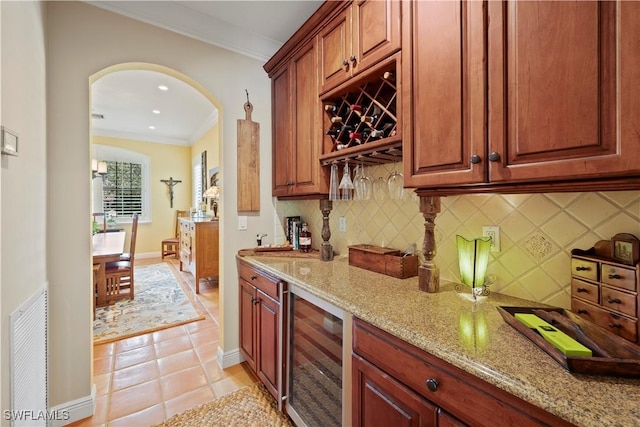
(199,250)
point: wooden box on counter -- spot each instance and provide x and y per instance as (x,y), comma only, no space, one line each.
(383,260)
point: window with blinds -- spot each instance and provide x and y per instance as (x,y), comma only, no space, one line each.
(122,189)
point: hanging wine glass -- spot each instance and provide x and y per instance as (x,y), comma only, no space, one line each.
(395,182)
(364,183)
(380,189)
(357,186)
(346,184)
(334,193)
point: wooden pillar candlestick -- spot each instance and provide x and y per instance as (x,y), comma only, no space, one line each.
(428,272)
(326,250)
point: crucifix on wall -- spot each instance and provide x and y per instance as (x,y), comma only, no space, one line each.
(171,183)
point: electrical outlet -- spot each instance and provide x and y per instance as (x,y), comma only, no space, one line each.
(242,222)
(492,231)
(343,224)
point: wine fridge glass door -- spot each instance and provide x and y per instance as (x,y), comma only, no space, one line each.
(315,365)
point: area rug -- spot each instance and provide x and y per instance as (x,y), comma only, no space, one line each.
(249,406)
(159,302)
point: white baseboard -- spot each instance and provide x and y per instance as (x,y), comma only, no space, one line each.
(231,358)
(149,255)
(74,410)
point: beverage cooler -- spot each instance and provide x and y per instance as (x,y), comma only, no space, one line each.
(319,360)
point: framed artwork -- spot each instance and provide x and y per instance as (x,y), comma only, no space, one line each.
(625,248)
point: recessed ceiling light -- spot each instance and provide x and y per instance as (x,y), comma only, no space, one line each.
(163,87)
(152,127)
(156,111)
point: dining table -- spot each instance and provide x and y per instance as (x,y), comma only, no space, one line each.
(107,247)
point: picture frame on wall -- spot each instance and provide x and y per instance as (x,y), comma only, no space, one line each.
(625,248)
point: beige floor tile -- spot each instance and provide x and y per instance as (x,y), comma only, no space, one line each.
(103,350)
(177,362)
(200,325)
(167,334)
(171,346)
(214,371)
(134,399)
(133,343)
(146,417)
(133,357)
(134,375)
(207,352)
(189,400)
(182,382)
(103,383)
(205,336)
(102,365)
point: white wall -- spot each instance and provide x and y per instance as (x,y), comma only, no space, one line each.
(23,178)
(82,41)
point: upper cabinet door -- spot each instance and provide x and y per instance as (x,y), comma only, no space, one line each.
(563,89)
(376,32)
(281,131)
(444,64)
(334,44)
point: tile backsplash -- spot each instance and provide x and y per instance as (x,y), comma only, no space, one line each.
(537,231)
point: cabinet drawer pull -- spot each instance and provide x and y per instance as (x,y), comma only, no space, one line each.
(582,269)
(475,159)
(432,384)
(615,276)
(614,301)
(353,58)
(345,62)
(615,325)
(582,311)
(580,290)
(494,157)
(254,277)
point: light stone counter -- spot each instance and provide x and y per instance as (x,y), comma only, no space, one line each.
(471,336)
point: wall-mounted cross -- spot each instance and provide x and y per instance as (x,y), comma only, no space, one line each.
(170,183)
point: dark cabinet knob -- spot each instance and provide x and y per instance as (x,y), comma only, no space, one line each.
(345,62)
(254,277)
(615,276)
(432,384)
(494,157)
(475,159)
(582,268)
(353,58)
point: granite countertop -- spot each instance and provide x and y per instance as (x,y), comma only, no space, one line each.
(471,336)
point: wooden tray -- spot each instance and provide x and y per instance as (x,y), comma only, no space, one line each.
(612,355)
(383,260)
(279,252)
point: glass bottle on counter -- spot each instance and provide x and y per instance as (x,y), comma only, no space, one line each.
(305,238)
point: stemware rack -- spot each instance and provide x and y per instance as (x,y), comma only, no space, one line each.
(360,123)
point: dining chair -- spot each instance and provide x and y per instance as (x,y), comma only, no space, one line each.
(171,244)
(96,275)
(119,274)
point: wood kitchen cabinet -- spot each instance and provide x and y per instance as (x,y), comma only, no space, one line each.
(395,383)
(362,34)
(261,326)
(559,80)
(296,129)
(199,248)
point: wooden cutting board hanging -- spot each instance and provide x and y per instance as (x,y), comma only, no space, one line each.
(248,162)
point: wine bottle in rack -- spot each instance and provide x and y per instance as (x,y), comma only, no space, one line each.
(369,120)
(337,120)
(355,138)
(331,108)
(356,108)
(389,76)
(334,132)
(376,134)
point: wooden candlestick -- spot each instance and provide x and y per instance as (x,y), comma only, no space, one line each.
(326,250)
(428,272)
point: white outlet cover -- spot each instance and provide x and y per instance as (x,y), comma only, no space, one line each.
(242,222)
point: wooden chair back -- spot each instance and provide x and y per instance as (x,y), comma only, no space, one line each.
(134,234)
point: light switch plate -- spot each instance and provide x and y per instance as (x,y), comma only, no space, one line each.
(242,222)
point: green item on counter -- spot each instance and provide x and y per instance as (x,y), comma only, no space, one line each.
(563,342)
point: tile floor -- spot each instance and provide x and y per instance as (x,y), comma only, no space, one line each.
(143,380)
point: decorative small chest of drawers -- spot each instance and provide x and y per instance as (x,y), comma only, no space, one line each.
(605,291)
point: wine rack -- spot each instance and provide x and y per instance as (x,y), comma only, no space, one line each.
(361,122)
